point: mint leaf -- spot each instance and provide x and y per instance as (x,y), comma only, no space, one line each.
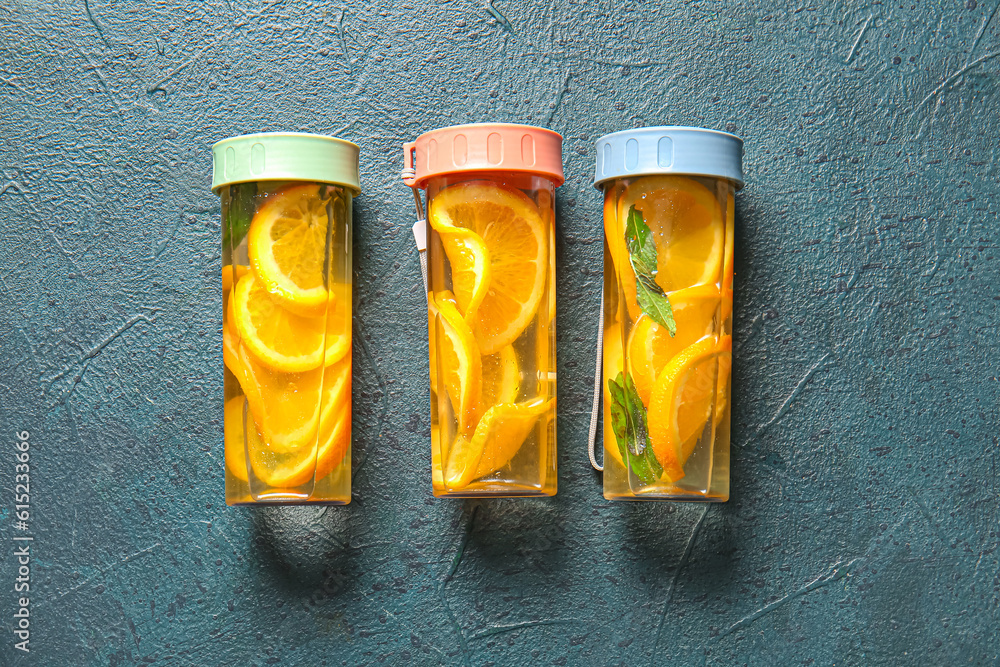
(628,421)
(654,302)
(641,247)
(242,204)
(642,256)
(620,420)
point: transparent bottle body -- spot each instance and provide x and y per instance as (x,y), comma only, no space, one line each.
(499,437)
(673,442)
(287,357)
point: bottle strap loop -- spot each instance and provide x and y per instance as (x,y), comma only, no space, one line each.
(596,408)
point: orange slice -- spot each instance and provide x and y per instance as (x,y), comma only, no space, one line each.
(650,346)
(516,238)
(458,355)
(308,463)
(339,322)
(287,246)
(230,351)
(498,438)
(470,268)
(728,260)
(283,340)
(231,274)
(281,466)
(229,335)
(722,386)
(335,436)
(463,469)
(682,402)
(614,236)
(687,226)
(437,471)
(501,377)
(230,339)
(229,318)
(235,453)
(285,406)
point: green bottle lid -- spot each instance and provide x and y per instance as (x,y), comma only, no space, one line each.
(285,156)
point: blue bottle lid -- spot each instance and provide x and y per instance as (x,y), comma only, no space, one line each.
(692,151)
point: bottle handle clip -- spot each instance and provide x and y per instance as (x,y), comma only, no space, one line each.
(409,176)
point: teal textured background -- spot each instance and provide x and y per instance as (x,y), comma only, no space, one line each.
(863,523)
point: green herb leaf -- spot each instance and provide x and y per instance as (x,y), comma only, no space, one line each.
(654,302)
(239,212)
(628,421)
(641,247)
(642,255)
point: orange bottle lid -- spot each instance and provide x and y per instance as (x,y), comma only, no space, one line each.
(480,147)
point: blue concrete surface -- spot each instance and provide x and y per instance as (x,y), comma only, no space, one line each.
(863,523)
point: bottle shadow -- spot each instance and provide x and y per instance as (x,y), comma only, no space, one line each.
(306,549)
(515,536)
(689,545)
